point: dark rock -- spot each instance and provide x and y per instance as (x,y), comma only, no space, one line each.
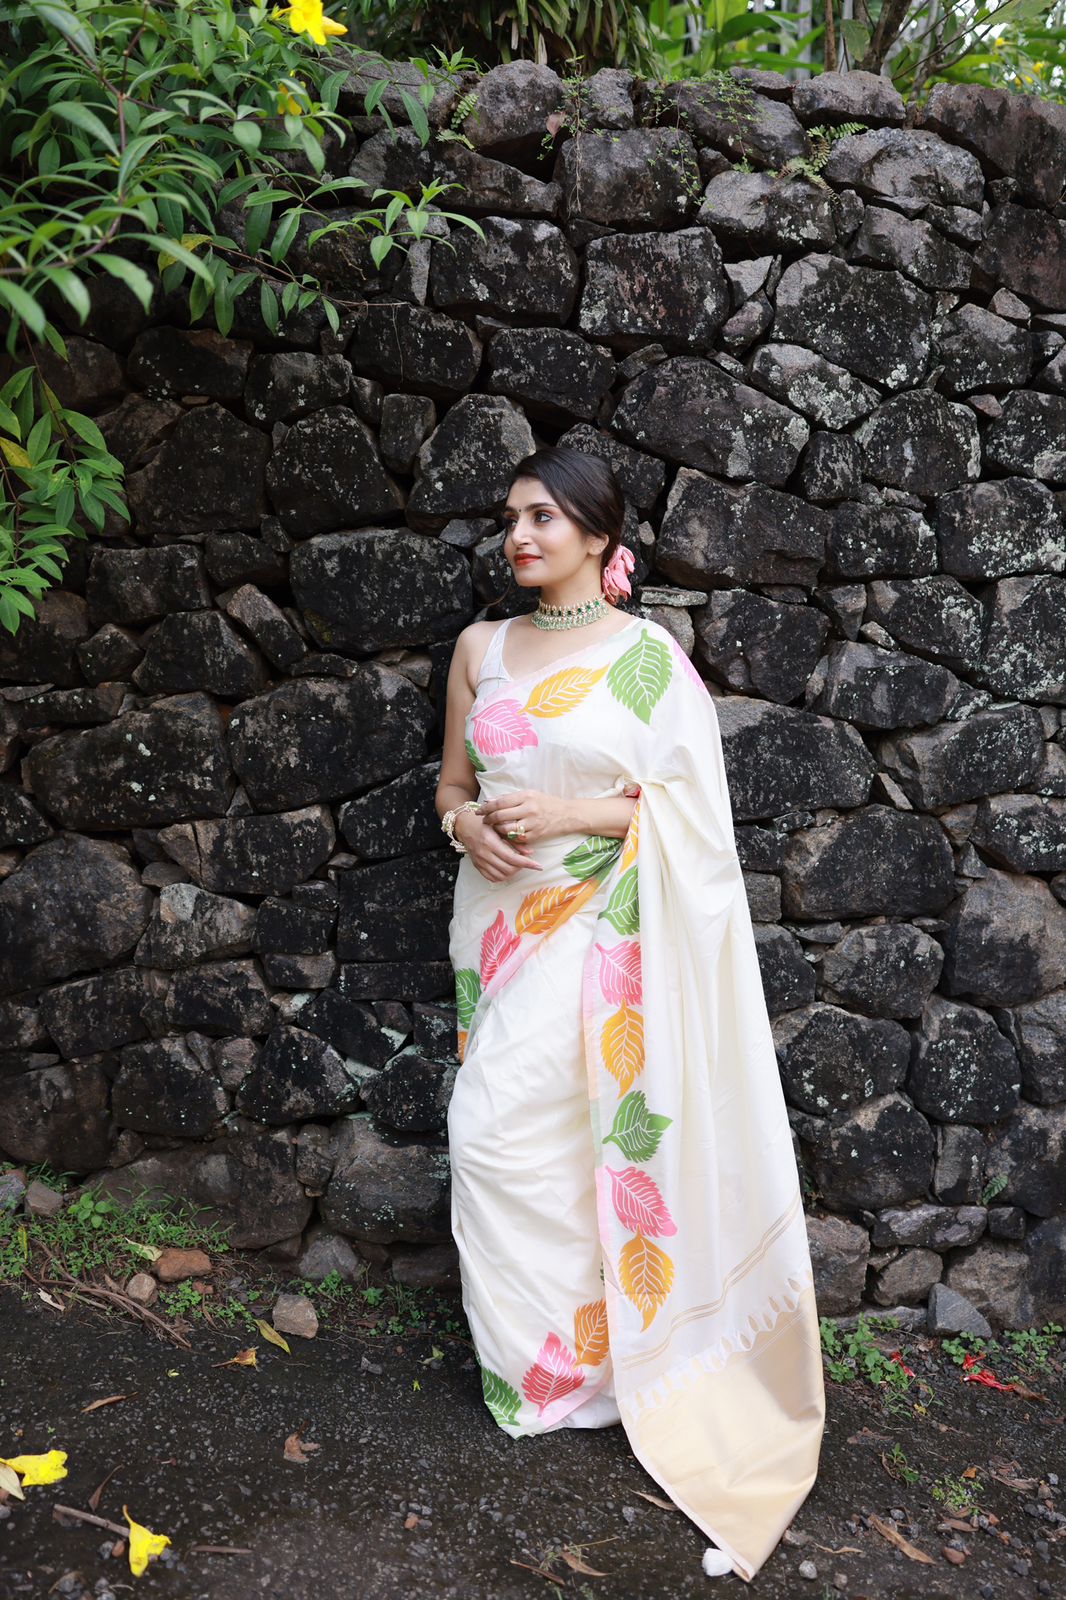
(236,558)
(351,1027)
(58,1114)
(907,1279)
(835,97)
(640,476)
(244,1183)
(411,1094)
(465,465)
(888,970)
(293,383)
(913,246)
(635,178)
(994,529)
(163,1087)
(779,759)
(828,394)
(220,998)
(298,1075)
(921,442)
(1026,832)
(1020,135)
(875,861)
(200,650)
(951,1312)
(715,534)
(839,1254)
(984,754)
(188,924)
(133,429)
(732,119)
(758,211)
(411,347)
(993,1277)
(683,298)
(136,586)
(1025,251)
(831,467)
(879,1155)
(960,1163)
(1028,437)
(1024,655)
(111,653)
(937,1227)
(381,1191)
(874,688)
(396,819)
(787,977)
(397,910)
(755,645)
(552,372)
(832,1061)
(45,648)
(519,269)
(963,1069)
(99,1013)
(1006,940)
(267,624)
(907,167)
(934,616)
(689,411)
(320,739)
(514,102)
(73,904)
(88,376)
(143,769)
(378,587)
(183,361)
(208,472)
(327,473)
(1046,1246)
(77,708)
(872,322)
(21,824)
(285,927)
(1038,1033)
(301,972)
(981,351)
(252,855)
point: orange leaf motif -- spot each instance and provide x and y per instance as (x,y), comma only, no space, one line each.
(622,1043)
(461,1051)
(555,696)
(629,847)
(638,1203)
(541,908)
(647,1275)
(552,1375)
(590,1332)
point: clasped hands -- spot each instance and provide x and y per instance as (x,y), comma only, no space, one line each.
(537,815)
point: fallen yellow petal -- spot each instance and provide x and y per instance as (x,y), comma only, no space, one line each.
(143,1543)
(48,1468)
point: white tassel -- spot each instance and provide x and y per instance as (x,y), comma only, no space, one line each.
(716,1562)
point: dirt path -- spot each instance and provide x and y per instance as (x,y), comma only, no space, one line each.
(413,1491)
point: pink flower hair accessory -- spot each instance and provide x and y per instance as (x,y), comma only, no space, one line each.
(614,580)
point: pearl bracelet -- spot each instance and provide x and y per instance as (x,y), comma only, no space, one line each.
(447,822)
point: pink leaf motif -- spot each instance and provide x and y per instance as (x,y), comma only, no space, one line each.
(552,1375)
(503,726)
(638,1203)
(498,942)
(620,977)
(687,666)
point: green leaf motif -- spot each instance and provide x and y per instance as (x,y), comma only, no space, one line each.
(467,994)
(621,911)
(637,1130)
(475,760)
(501,1399)
(592,857)
(640,676)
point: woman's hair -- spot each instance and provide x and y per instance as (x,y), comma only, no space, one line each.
(583,486)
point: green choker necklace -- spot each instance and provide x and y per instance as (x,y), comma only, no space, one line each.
(547,616)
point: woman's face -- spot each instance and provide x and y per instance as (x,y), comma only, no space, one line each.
(556,548)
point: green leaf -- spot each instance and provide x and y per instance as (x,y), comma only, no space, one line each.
(86,429)
(621,911)
(333,317)
(71,288)
(14,454)
(856,36)
(593,857)
(128,272)
(65,22)
(248,134)
(636,1130)
(255,227)
(501,1399)
(81,116)
(638,678)
(467,994)
(268,306)
(285,234)
(23,305)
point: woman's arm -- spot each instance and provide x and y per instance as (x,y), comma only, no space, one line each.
(458,780)
(610,817)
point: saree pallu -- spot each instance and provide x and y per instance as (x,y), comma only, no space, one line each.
(625,1197)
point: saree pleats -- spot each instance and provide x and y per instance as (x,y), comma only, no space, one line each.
(625,1196)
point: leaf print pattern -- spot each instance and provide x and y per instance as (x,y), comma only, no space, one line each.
(621,909)
(620,972)
(498,944)
(474,759)
(563,691)
(501,1399)
(593,857)
(636,1130)
(638,1203)
(553,1375)
(647,1275)
(590,1333)
(502,726)
(540,910)
(639,677)
(622,1043)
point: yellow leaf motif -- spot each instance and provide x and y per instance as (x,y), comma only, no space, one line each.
(629,848)
(541,908)
(47,1468)
(646,1274)
(555,696)
(143,1543)
(622,1043)
(462,1036)
(590,1333)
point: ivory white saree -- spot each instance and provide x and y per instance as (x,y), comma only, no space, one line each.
(625,1198)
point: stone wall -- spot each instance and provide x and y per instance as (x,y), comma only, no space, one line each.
(837,405)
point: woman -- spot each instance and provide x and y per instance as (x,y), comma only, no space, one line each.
(625,1197)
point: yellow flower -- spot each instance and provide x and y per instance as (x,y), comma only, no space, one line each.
(288,103)
(307,16)
(48,1468)
(143,1543)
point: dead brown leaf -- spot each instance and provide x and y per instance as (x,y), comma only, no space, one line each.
(889,1531)
(297,1449)
(576,1564)
(656,1500)
(108,1400)
(540,1571)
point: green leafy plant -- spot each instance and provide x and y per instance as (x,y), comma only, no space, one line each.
(175,149)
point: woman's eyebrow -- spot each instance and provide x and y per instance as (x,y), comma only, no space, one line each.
(534,505)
